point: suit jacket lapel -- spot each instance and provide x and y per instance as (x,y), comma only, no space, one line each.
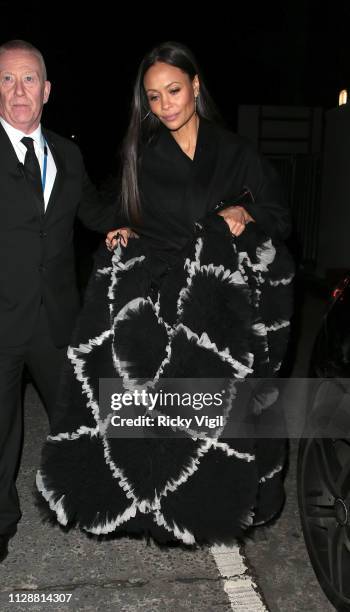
(11,164)
(58,183)
(9,158)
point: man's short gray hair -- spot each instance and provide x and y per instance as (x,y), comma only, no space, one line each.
(23,45)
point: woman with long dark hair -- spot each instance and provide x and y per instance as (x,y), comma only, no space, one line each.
(202,294)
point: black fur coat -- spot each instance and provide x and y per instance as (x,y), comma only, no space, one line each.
(222,312)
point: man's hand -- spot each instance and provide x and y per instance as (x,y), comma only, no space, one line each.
(122,235)
(236,218)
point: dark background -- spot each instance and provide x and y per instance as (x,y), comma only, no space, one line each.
(294,52)
(279,53)
(291,52)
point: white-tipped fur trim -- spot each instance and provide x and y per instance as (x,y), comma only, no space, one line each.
(281,281)
(230,396)
(56,507)
(103,271)
(118,473)
(192,268)
(108,526)
(205,342)
(145,506)
(131,307)
(266,253)
(181,534)
(173,484)
(81,431)
(134,305)
(120,366)
(73,353)
(259,329)
(188,471)
(271,474)
(194,265)
(277,366)
(278,325)
(264,399)
(232,452)
(119,266)
(165,362)
(233,278)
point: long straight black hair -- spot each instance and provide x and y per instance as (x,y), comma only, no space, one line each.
(144,125)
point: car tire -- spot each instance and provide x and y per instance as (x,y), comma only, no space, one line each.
(323,475)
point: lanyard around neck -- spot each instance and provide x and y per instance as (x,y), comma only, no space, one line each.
(43,176)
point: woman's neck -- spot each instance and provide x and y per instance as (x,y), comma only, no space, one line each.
(186,136)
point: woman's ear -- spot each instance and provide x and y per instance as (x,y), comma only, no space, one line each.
(195,85)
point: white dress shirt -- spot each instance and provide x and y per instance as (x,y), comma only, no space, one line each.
(15,137)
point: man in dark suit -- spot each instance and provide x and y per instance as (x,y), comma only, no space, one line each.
(43,186)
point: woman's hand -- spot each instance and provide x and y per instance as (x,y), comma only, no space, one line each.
(122,235)
(236,218)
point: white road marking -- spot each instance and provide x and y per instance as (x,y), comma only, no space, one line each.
(238,584)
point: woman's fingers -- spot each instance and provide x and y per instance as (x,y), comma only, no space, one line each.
(235,219)
(237,229)
(115,236)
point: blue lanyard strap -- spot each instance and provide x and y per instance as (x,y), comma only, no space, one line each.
(43,178)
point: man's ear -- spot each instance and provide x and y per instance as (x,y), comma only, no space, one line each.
(47,89)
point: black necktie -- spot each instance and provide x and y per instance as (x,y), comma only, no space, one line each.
(32,168)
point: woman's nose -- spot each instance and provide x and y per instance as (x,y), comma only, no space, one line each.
(165,102)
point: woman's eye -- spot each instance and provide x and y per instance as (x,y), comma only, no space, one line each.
(175,91)
(153,98)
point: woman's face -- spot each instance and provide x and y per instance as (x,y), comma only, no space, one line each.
(171,94)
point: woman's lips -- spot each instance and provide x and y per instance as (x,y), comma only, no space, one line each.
(170,117)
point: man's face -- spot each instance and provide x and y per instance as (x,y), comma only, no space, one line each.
(23,90)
